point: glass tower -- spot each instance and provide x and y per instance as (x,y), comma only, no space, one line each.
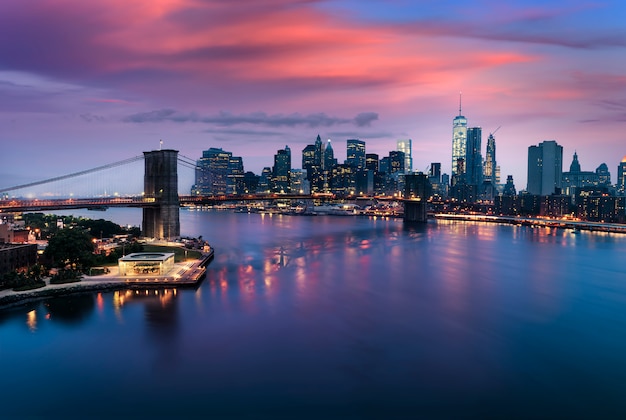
(355,153)
(404,146)
(459,143)
(489,167)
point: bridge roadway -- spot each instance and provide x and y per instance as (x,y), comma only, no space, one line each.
(24,205)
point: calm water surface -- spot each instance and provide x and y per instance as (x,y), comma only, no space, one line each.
(339,317)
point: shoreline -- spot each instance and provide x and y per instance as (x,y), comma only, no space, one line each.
(186,274)
(574,225)
(14,299)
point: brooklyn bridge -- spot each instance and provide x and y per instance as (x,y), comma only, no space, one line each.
(159,197)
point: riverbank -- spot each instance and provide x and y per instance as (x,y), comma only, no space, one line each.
(184,274)
(574,225)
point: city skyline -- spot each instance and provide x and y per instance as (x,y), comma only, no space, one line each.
(85,84)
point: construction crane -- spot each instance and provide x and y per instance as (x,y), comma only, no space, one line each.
(494,131)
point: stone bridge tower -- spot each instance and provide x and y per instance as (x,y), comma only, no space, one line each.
(416,192)
(161,182)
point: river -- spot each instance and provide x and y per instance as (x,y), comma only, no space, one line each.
(339,317)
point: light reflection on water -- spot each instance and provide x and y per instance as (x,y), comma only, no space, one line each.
(309,316)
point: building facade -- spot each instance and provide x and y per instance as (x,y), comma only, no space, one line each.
(545,168)
(405,146)
(355,153)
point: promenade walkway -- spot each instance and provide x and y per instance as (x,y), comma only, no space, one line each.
(186,273)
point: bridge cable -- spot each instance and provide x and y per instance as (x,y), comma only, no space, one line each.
(75,174)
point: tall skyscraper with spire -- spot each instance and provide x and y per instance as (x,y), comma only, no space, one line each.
(489,167)
(459,142)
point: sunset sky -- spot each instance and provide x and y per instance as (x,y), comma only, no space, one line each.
(86,83)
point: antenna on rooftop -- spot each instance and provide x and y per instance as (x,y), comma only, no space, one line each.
(160,144)
(460,97)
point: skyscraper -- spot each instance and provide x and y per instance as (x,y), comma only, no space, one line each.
(621,177)
(329,157)
(371,162)
(312,161)
(459,143)
(604,176)
(235,184)
(318,158)
(545,168)
(281,172)
(355,153)
(489,167)
(473,157)
(404,146)
(212,172)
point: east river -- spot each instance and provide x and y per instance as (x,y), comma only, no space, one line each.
(339,317)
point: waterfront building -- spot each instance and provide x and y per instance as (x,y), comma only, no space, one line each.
(371,162)
(235,183)
(489,167)
(299,183)
(575,178)
(509,187)
(473,157)
(405,147)
(545,168)
(384,165)
(604,176)
(596,206)
(459,144)
(13,233)
(318,156)
(17,257)
(308,157)
(265,180)
(250,182)
(445,185)
(313,163)
(396,162)
(146,263)
(434,177)
(213,170)
(281,172)
(343,180)
(621,177)
(555,205)
(355,153)
(329,157)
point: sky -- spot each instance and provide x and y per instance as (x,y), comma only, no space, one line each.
(88,83)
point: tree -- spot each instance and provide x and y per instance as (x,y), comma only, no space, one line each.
(101,228)
(71,246)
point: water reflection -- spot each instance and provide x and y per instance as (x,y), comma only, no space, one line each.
(340,313)
(31,320)
(162,322)
(73,309)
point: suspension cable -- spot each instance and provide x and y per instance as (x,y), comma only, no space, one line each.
(75,174)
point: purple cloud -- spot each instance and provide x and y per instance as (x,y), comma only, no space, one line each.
(256,118)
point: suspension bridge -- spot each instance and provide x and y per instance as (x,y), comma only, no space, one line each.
(118,185)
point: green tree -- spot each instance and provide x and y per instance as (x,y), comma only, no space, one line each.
(71,246)
(101,228)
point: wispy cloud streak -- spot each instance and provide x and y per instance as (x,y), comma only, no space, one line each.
(227,119)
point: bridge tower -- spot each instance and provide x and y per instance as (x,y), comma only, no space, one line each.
(161,182)
(416,192)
